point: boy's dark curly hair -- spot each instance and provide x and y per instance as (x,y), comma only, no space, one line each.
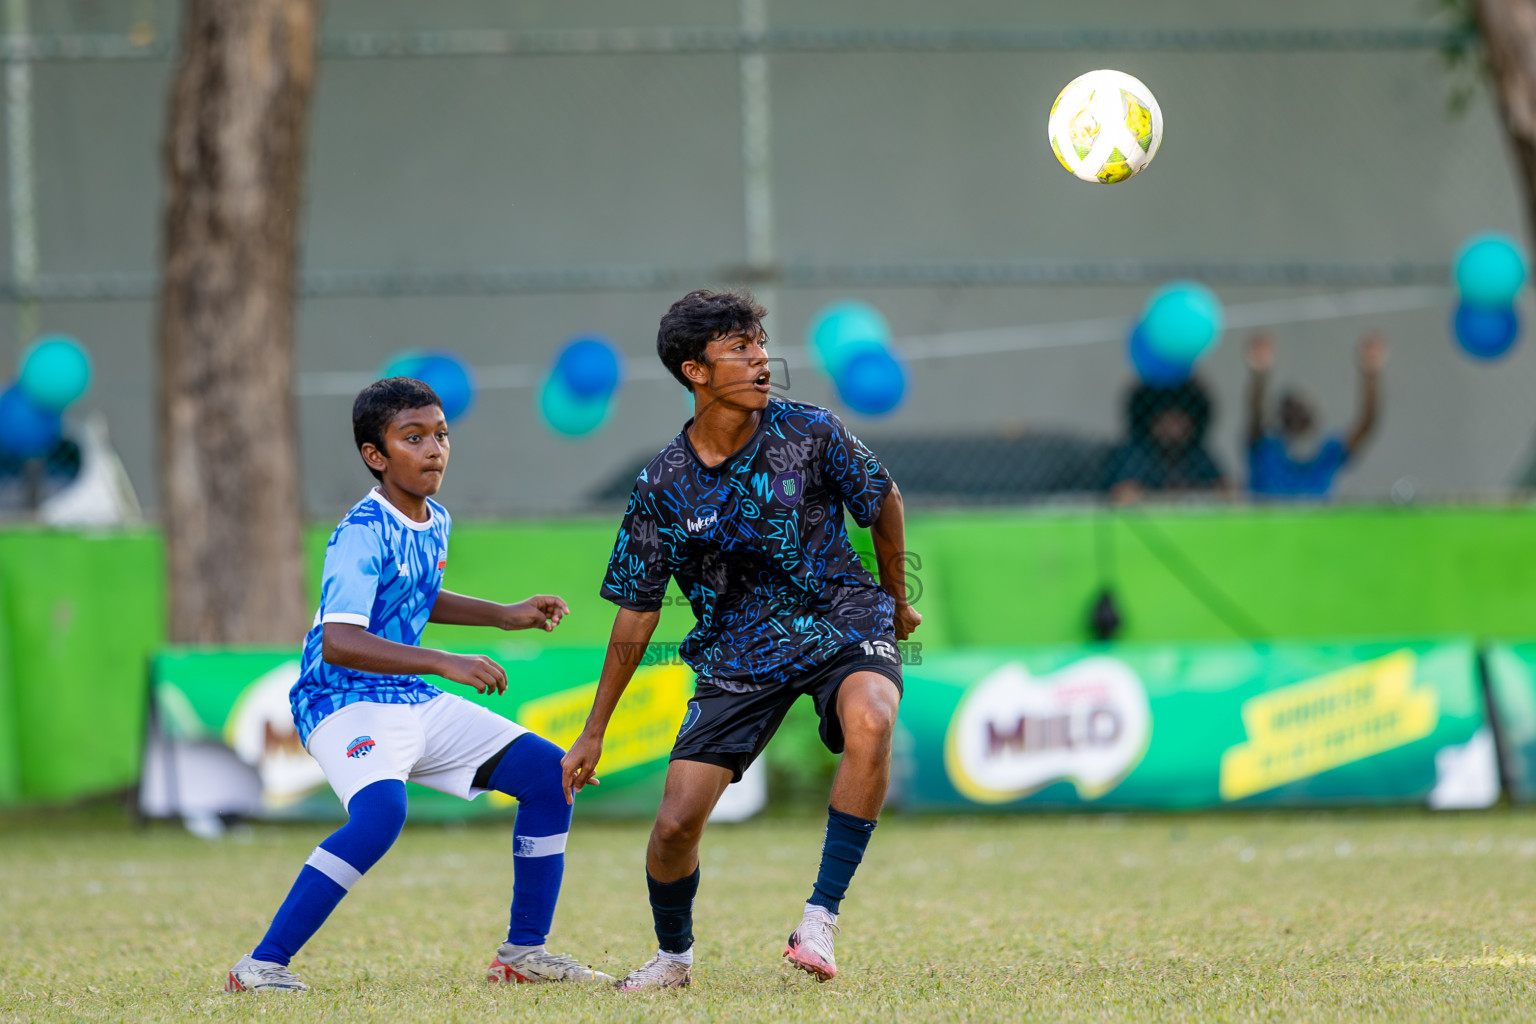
(700,317)
(379,402)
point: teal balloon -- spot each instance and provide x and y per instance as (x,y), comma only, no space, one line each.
(55,371)
(1489,271)
(845,329)
(1181,321)
(567,413)
(403,364)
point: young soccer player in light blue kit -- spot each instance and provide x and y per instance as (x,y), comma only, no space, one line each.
(364,712)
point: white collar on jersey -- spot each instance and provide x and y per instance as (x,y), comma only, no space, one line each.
(405,520)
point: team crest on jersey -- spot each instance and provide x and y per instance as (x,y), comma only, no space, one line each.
(788,487)
(360,747)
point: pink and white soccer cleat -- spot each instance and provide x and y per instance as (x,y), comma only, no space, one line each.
(810,946)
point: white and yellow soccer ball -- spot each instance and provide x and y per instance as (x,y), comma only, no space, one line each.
(1105,126)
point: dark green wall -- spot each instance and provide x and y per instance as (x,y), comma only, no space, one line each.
(80,613)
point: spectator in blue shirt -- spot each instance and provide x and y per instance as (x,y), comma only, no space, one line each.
(1283,459)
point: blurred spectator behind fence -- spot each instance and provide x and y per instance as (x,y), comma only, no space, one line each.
(1281,461)
(1165,450)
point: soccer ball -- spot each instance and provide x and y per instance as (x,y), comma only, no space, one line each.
(1105,126)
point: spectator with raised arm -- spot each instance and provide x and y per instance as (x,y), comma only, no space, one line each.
(1284,459)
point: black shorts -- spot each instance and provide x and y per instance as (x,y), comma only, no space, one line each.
(730,727)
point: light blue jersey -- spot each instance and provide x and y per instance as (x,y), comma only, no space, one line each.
(383,572)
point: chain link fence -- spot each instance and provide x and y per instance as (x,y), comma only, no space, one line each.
(498,181)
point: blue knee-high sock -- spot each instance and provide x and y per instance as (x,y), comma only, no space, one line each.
(376,815)
(530,772)
(841,852)
(672,910)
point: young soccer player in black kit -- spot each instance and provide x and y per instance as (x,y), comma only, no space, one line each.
(744,508)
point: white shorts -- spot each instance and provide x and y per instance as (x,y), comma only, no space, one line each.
(439,743)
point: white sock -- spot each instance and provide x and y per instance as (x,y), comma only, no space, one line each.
(819,909)
(508,952)
(685,957)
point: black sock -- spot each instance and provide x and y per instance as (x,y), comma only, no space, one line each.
(841,852)
(672,907)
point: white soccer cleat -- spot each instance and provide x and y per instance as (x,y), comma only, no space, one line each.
(252,975)
(810,946)
(657,972)
(541,966)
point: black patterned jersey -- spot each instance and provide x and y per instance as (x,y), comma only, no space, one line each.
(758,546)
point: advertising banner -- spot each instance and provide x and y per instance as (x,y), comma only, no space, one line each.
(1197,726)
(1511,668)
(222,739)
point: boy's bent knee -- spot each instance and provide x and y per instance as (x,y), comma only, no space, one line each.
(380,806)
(869,725)
(676,832)
(530,770)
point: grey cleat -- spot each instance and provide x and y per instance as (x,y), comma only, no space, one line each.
(657,972)
(252,975)
(541,966)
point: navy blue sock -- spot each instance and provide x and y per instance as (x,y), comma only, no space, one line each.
(377,813)
(841,852)
(530,772)
(672,909)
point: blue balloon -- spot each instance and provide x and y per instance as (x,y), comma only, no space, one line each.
(1489,271)
(872,382)
(1485,333)
(844,330)
(589,366)
(27,430)
(1182,320)
(1151,367)
(55,371)
(569,414)
(443,372)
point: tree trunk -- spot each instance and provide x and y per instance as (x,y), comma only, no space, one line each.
(234,152)
(1508,31)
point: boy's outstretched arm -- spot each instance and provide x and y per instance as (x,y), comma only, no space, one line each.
(350,646)
(541,611)
(626,647)
(889,534)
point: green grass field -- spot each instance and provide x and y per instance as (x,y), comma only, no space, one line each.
(1401,916)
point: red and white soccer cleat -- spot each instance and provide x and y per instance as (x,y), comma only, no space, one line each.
(540,966)
(252,975)
(810,946)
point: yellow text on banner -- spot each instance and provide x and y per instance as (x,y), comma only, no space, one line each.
(1309,727)
(643,725)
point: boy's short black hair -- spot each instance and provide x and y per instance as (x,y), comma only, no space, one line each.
(700,317)
(380,402)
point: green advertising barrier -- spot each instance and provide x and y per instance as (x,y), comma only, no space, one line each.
(1511,668)
(1197,726)
(220,717)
